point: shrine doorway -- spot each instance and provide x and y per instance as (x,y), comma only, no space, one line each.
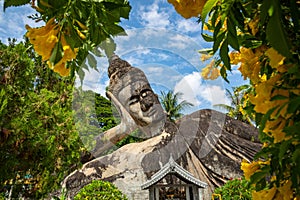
(173,182)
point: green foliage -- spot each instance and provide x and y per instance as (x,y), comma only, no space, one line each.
(105,112)
(39,143)
(237,101)
(93,115)
(9,3)
(100,190)
(171,104)
(236,189)
(84,24)
(268,32)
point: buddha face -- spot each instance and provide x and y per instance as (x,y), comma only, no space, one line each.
(142,103)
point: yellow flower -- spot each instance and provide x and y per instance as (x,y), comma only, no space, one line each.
(235,57)
(249,168)
(275,129)
(276,60)
(210,72)
(250,64)
(262,99)
(286,190)
(68,55)
(253,24)
(264,194)
(205,57)
(43,38)
(188,8)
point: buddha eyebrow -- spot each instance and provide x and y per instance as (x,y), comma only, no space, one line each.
(145,90)
(134,97)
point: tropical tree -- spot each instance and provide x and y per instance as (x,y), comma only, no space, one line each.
(235,109)
(261,38)
(39,143)
(171,104)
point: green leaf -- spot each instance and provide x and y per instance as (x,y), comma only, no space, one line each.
(296,156)
(206,51)
(9,3)
(57,4)
(56,54)
(114,30)
(81,75)
(277,35)
(97,53)
(256,177)
(207,37)
(278,97)
(207,8)
(232,35)
(264,8)
(294,105)
(92,61)
(109,47)
(224,74)
(224,54)
(265,118)
(283,150)
(218,40)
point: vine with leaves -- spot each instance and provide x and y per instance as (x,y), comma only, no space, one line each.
(73,30)
(261,39)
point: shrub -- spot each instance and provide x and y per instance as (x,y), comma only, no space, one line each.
(236,189)
(100,190)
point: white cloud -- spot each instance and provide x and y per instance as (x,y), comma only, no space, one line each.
(92,81)
(188,26)
(214,94)
(13,22)
(195,91)
(153,16)
(189,87)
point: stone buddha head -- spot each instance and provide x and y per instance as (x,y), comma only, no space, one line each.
(132,89)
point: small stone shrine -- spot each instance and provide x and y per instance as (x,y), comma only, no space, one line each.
(173,182)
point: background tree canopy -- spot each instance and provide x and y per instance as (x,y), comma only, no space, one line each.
(39,142)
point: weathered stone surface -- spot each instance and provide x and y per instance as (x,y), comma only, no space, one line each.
(207,143)
(132,165)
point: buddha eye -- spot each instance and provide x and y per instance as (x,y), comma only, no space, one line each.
(133,100)
(144,94)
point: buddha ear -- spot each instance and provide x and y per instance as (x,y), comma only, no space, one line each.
(125,116)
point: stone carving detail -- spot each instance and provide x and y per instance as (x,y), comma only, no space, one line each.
(207,143)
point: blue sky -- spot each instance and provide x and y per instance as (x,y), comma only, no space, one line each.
(160,42)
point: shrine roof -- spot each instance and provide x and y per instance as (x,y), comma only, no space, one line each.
(173,167)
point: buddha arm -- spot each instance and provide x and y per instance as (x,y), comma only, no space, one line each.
(109,138)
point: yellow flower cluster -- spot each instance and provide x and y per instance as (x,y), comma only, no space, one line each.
(265,88)
(284,192)
(188,8)
(276,60)
(68,55)
(253,25)
(250,62)
(250,168)
(44,40)
(210,71)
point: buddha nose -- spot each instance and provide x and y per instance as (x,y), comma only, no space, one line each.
(146,104)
